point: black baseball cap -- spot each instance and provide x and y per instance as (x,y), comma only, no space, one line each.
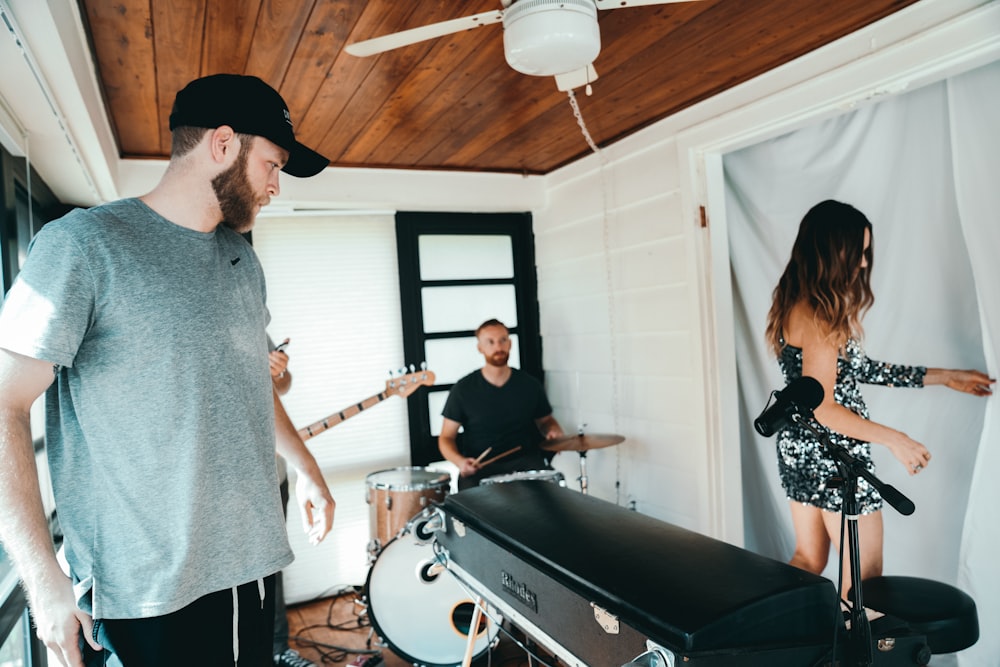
(249,106)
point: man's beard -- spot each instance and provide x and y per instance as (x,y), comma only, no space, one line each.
(498,359)
(236,196)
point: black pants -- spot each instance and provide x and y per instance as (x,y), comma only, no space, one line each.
(199,634)
(280,611)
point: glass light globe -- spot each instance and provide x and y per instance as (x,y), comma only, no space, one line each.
(548,37)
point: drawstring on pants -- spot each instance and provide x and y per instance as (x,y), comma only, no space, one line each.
(236,617)
(236,626)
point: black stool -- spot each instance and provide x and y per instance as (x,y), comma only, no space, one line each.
(945,615)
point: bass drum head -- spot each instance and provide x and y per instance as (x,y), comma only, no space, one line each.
(424,618)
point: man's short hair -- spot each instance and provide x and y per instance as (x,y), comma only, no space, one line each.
(491,323)
(184,139)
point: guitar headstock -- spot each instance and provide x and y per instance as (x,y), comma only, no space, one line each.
(405,384)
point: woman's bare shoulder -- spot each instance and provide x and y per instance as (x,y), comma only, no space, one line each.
(803,327)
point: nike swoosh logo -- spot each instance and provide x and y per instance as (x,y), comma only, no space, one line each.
(234,261)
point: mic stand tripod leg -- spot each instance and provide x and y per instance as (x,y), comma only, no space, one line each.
(860,636)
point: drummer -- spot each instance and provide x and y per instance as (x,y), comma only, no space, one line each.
(500,409)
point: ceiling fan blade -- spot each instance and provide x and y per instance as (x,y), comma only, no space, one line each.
(395,40)
(618,4)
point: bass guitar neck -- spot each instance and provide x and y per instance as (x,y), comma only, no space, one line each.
(332,420)
(402,385)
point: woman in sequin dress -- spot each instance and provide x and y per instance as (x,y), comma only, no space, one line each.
(814,328)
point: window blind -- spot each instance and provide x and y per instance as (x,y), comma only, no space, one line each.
(332,284)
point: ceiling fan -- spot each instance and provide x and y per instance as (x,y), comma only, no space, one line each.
(541,37)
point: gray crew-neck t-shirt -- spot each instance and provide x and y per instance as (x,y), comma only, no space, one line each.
(160,421)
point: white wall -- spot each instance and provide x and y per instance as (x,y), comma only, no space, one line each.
(620,327)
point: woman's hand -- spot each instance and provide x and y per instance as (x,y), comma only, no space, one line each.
(972,382)
(913,455)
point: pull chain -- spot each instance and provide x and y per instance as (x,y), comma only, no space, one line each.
(606,237)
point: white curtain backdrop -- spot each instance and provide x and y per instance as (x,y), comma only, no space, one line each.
(925,168)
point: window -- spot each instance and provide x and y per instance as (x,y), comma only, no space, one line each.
(23,211)
(333,289)
(14,648)
(457,270)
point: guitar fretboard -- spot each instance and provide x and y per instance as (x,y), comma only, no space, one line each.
(332,420)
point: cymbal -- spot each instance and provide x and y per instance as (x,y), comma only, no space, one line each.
(582,443)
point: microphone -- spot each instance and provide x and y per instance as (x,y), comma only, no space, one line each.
(799,397)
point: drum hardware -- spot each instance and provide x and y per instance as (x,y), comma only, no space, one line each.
(426,524)
(581,444)
(529,475)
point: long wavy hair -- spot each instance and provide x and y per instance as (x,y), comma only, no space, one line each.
(825,270)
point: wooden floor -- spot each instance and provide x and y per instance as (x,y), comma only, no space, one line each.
(336,631)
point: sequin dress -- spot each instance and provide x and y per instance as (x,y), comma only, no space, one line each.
(803,463)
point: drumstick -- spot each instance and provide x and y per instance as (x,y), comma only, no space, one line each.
(485,452)
(499,456)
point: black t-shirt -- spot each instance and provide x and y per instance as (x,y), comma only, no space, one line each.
(497,417)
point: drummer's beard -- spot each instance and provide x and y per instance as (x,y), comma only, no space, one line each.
(498,359)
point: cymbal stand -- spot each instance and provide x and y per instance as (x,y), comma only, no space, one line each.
(860,634)
(583,471)
(583,462)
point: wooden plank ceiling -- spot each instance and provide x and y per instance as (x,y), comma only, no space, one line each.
(452,102)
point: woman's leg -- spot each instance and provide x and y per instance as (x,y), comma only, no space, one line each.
(812,542)
(869,544)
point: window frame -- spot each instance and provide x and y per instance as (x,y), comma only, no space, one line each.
(15,236)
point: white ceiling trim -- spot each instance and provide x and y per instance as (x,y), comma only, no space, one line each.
(44,100)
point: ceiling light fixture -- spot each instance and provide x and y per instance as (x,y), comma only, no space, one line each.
(548,37)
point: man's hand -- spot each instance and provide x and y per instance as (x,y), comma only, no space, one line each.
(316,505)
(468,467)
(60,622)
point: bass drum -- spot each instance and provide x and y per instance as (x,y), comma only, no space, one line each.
(418,608)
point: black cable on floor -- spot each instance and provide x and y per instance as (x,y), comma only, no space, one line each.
(333,653)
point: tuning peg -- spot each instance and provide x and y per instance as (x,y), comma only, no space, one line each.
(412,368)
(423,365)
(402,371)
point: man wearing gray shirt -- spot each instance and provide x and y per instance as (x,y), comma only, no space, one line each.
(143,322)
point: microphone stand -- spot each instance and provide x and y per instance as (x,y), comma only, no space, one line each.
(860,636)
